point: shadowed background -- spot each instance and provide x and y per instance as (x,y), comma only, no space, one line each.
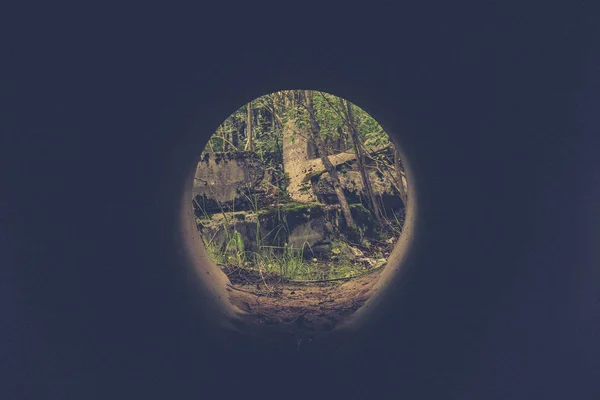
(495,110)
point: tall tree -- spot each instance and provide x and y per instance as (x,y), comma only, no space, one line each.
(250,142)
(223,138)
(400,185)
(352,126)
(315,134)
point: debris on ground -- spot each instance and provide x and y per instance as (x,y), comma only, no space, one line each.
(298,307)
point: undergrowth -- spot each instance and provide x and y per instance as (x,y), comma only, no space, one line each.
(283,261)
(287,261)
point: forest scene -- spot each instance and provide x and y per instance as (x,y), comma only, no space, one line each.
(300,192)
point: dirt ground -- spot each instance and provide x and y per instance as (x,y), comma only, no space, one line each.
(297,307)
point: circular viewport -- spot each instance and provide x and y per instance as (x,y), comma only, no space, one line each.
(299,197)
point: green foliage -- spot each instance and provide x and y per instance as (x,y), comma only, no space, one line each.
(234,250)
(286,261)
(271,112)
(269,116)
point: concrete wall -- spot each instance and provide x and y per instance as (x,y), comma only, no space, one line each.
(492,293)
(222,178)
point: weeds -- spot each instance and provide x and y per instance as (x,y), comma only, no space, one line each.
(270,254)
(287,262)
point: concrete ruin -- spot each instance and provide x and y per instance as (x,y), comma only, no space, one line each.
(225,181)
(230,190)
(222,180)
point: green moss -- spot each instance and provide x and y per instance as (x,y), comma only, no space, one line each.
(293,208)
(365,222)
(360,213)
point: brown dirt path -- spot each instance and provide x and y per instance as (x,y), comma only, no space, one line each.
(299,308)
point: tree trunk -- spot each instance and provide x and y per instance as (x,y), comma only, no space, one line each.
(223,139)
(401,189)
(273,112)
(315,130)
(250,142)
(360,159)
(277,104)
(237,134)
(295,162)
(277,123)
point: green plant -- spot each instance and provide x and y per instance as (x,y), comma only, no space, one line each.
(202,211)
(286,261)
(235,250)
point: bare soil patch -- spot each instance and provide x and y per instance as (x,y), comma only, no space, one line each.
(297,307)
